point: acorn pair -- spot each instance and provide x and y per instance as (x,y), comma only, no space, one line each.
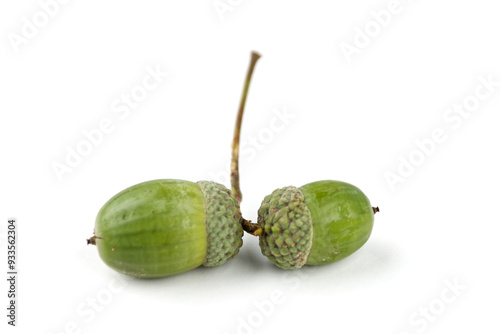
(166,227)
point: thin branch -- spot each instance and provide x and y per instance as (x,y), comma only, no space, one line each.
(235,174)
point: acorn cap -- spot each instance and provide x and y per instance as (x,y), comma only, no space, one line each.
(223,223)
(287,229)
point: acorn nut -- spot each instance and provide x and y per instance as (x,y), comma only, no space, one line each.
(318,223)
(166,227)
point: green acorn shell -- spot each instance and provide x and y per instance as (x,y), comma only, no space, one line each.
(165,227)
(318,223)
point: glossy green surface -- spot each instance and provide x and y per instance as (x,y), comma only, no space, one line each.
(342,219)
(153,229)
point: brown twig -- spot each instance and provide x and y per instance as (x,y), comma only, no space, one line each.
(235,174)
(250,228)
(247,225)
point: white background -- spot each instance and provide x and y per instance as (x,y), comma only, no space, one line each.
(350,121)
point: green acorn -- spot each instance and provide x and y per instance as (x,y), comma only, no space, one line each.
(166,227)
(318,223)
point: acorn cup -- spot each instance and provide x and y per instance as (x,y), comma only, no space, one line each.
(166,227)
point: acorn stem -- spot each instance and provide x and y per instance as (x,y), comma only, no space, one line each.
(250,228)
(235,174)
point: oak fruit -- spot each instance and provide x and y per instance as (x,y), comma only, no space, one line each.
(165,227)
(318,223)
